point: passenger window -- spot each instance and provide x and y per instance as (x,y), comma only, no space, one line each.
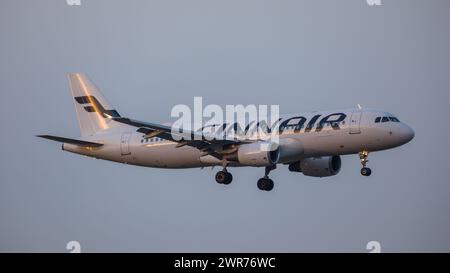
(377,120)
(385,119)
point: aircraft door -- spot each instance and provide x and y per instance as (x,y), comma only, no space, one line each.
(125,143)
(355,122)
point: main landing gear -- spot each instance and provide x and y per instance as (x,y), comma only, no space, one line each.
(363,156)
(265,183)
(224,177)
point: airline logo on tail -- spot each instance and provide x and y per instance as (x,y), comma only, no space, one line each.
(93,105)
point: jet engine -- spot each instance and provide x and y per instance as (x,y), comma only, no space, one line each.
(258,154)
(290,150)
(317,166)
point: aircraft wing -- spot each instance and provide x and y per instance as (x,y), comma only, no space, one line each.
(208,145)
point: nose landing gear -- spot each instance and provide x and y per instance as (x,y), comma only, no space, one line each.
(363,156)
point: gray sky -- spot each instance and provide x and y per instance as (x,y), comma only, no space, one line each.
(147,56)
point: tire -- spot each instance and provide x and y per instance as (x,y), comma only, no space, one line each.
(261,184)
(269,185)
(265,184)
(366,171)
(228,178)
(221,177)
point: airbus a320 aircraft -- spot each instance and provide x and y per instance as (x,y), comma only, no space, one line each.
(310,143)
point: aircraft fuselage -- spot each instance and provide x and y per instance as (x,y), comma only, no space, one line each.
(325,133)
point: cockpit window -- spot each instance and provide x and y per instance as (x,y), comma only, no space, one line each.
(386,119)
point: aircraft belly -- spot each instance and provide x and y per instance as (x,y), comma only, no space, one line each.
(336,143)
(165,155)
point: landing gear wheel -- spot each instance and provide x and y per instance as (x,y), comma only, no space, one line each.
(269,184)
(220,177)
(223,177)
(228,178)
(261,183)
(366,171)
(265,184)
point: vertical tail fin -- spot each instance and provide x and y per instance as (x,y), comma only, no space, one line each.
(94,113)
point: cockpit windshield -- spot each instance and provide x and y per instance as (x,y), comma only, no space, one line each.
(386,119)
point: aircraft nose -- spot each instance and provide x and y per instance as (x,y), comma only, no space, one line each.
(406,134)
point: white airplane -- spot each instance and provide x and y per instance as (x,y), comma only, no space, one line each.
(311,143)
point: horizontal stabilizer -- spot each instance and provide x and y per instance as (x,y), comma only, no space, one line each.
(77,142)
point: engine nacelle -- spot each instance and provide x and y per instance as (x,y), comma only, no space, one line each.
(258,154)
(290,150)
(318,166)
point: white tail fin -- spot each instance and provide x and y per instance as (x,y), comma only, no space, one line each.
(94,113)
